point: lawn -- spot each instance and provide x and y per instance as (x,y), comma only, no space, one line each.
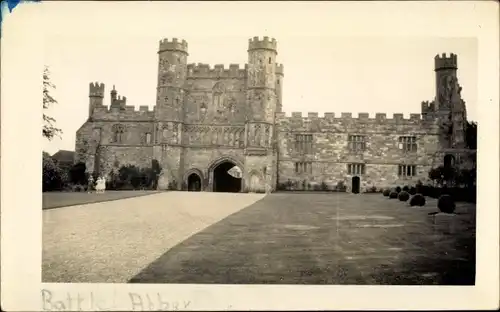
(338,238)
(52,200)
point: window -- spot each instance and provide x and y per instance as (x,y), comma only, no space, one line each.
(408,143)
(118,131)
(269,60)
(356,142)
(303,167)
(356,168)
(407,171)
(303,143)
(148,138)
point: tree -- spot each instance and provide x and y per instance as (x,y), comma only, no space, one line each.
(53,177)
(471,135)
(49,130)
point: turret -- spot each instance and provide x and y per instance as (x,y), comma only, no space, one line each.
(172,71)
(116,100)
(448,104)
(261,78)
(96,96)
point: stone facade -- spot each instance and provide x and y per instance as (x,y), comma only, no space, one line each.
(206,116)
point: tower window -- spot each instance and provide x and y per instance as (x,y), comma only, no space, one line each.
(356,168)
(408,143)
(356,143)
(304,143)
(269,60)
(303,167)
(407,170)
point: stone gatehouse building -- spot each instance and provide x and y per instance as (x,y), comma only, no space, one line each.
(208,119)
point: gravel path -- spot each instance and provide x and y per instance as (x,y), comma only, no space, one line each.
(110,242)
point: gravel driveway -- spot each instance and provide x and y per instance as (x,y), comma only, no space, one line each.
(110,242)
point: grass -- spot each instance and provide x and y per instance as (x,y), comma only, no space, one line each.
(324,239)
(283,238)
(51,200)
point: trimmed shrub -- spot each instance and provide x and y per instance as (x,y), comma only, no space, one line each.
(386,192)
(398,189)
(78,188)
(393,195)
(403,196)
(446,204)
(340,187)
(413,190)
(417,200)
(406,188)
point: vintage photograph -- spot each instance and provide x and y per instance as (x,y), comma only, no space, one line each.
(238,152)
(219,183)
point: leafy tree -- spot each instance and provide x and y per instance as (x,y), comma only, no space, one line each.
(471,135)
(78,174)
(443,174)
(53,177)
(49,130)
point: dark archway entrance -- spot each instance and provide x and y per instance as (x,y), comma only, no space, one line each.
(355,184)
(223,181)
(194,183)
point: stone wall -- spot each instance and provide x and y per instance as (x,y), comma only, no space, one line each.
(330,153)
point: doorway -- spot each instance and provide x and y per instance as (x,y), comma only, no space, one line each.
(224,181)
(194,183)
(355,184)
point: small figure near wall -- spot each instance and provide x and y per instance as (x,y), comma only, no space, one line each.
(90,184)
(100,185)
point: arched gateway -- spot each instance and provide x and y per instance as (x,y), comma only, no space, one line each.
(221,179)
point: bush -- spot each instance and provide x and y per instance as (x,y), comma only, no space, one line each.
(372,189)
(386,192)
(341,187)
(413,190)
(406,188)
(78,188)
(417,200)
(403,196)
(398,189)
(446,204)
(53,177)
(323,186)
(393,195)
(78,174)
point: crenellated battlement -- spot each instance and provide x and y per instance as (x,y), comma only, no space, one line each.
(330,117)
(445,62)
(279,69)
(428,107)
(174,45)
(126,112)
(201,70)
(96,89)
(267,43)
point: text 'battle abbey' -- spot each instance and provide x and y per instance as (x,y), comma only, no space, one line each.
(208,120)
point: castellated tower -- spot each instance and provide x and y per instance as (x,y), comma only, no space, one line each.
(96,96)
(172,68)
(169,112)
(262,105)
(448,104)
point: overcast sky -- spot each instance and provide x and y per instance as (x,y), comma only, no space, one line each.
(334,60)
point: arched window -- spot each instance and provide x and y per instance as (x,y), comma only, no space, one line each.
(118,131)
